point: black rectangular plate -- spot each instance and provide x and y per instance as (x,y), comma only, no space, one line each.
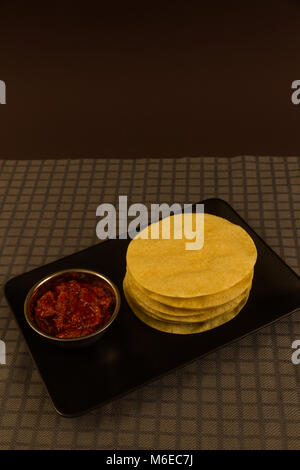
(131,353)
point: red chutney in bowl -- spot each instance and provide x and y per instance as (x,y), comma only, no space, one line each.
(72,309)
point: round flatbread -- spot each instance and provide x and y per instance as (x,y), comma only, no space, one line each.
(204,301)
(182,314)
(165,267)
(183,328)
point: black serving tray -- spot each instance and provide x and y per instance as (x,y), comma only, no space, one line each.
(131,353)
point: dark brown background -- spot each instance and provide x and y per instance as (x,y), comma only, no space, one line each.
(149,79)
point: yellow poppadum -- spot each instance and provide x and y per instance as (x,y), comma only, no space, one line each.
(183,328)
(166,268)
(179,314)
(204,301)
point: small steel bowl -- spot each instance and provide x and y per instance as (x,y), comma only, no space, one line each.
(82,275)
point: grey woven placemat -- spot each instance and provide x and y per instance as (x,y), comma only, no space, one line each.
(243,396)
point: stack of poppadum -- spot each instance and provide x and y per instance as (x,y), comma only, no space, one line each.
(184,291)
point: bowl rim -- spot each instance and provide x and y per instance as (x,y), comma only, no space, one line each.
(38,284)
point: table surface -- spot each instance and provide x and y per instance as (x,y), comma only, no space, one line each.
(244,396)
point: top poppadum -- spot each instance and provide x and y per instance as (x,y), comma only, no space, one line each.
(165,267)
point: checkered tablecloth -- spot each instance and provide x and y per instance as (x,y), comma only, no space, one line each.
(244,396)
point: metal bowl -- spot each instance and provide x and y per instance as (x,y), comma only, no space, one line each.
(82,275)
